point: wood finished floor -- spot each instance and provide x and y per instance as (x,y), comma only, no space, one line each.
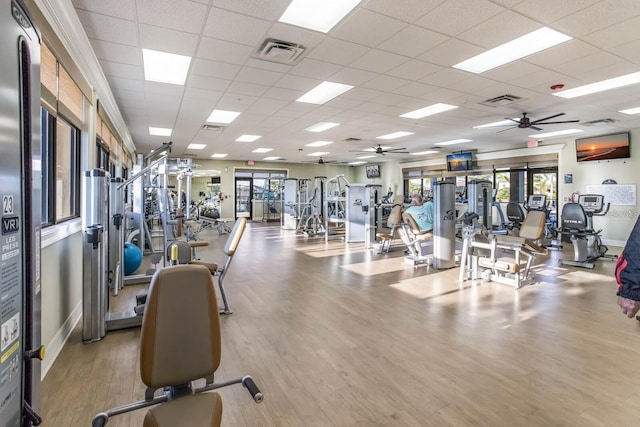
(336,335)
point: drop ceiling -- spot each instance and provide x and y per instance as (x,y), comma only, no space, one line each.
(398,55)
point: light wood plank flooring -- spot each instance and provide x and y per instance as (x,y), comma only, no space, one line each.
(336,335)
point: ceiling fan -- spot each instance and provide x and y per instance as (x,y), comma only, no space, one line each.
(321,161)
(525,122)
(379,150)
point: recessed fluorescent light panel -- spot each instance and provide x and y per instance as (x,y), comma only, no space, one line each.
(222,116)
(494,124)
(557,133)
(424,153)
(322,126)
(452,142)
(395,135)
(165,67)
(219,155)
(196,146)
(324,92)
(364,157)
(356,163)
(248,138)
(271,158)
(160,131)
(317,15)
(262,150)
(526,45)
(630,111)
(318,153)
(319,143)
(614,83)
(428,111)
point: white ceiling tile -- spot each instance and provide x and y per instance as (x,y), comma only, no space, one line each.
(386,83)
(297,35)
(405,10)
(445,78)
(214,49)
(352,76)
(125,84)
(450,52)
(343,103)
(209,83)
(109,29)
(258,76)
(283,94)
(511,26)
(391,99)
(630,51)
(116,52)
(166,40)
(456,16)
(598,16)
(378,61)
(366,28)
(303,84)
(412,41)
(415,89)
(587,64)
(270,10)
(235,102)
(565,52)
(205,67)
(208,98)
(225,25)
(181,15)
(413,70)
(114,8)
(540,77)
(244,88)
(267,65)
(511,70)
(315,69)
(337,51)
(622,33)
(549,11)
(609,72)
(163,89)
(117,69)
(362,94)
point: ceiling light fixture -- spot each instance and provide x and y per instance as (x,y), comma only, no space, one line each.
(319,144)
(165,67)
(526,45)
(557,133)
(424,153)
(271,158)
(218,155)
(317,15)
(248,138)
(318,153)
(262,150)
(614,83)
(196,146)
(630,111)
(494,124)
(364,157)
(222,116)
(452,142)
(324,92)
(428,111)
(160,131)
(356,163)
(322,126)
(395,135)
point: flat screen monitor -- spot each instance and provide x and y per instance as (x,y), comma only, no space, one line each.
(603,147)
(459,162)
(215,180)
(373,171)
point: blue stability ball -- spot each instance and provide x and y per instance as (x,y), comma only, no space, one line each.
(132,258)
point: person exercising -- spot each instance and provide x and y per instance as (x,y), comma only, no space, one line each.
(422,213)
(628,274)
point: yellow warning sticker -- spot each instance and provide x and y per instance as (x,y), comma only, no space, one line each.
(9,352)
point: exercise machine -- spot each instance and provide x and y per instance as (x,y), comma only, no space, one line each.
(577,225)
(20,322)
(362,212)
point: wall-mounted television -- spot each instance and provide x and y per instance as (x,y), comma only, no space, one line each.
(373,171)
(459,162)
(215,180)
(604,147)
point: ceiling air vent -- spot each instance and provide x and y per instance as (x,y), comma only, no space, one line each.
(280,51)
(353,139)
(501,100)
(599,122)
(215,128)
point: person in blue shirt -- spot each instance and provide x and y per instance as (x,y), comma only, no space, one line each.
(422,212)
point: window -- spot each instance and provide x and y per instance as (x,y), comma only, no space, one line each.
(47,162)
(67,171)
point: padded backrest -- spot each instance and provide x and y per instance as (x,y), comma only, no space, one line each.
(180,336)
(515,213)
(407,218)
(235,236)
(573,217)
(395,216)
(533,225)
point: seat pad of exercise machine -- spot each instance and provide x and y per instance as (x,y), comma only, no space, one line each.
(204,409)
(408,219)
(531,231)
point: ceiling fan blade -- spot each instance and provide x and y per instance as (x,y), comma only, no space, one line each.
(553,123)
(539,121)
(390,150)
(535,128)
(504,130)
(512,119)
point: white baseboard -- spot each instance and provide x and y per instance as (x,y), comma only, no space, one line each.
(619,243)
(59,339)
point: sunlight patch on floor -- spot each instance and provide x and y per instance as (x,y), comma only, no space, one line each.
(588,276)
(380,266)
(433,285)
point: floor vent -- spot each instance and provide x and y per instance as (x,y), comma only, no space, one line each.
(501,100)
(280,51)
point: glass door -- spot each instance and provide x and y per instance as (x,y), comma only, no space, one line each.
(244,195)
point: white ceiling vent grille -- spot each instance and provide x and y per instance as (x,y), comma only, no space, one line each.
(280,51)
(501,100)
(214,128)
